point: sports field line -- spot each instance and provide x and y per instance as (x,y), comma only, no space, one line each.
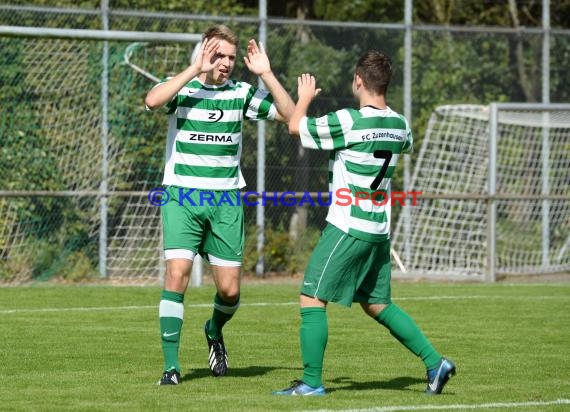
(209,305)
(455,406)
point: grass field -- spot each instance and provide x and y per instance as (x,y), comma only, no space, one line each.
(97,348)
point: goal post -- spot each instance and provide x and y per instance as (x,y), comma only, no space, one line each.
(495,195)
(159,60)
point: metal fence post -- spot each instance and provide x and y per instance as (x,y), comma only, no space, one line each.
(408,114)
(103,187)
(545,131)
(491,191)
(260,209)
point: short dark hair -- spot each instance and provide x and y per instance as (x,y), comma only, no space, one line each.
(375,70)
(221,32)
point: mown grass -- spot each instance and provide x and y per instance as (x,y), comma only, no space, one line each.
(97,348)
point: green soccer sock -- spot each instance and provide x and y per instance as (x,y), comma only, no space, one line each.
(171,314)
(223,312)
(403,328)
(314,333)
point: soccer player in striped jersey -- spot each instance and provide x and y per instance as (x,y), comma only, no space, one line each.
(202,178)
(351,262)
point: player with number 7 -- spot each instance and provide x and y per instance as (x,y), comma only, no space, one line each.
(351,262)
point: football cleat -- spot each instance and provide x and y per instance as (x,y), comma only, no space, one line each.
(171,377)
(218,356)
(300,388)
(438,377)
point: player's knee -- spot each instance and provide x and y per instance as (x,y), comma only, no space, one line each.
(230,295)
(373,309)
(177,273)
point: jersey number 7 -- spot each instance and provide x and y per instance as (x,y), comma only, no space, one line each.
(387,156)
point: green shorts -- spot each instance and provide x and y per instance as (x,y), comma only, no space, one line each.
(207,222)
(344,269)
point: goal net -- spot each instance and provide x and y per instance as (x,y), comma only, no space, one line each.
(158,60)
(41,150)
(448,232)
(51,125)
(135,244)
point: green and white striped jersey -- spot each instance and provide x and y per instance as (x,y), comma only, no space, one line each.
(204,143)
(361,143)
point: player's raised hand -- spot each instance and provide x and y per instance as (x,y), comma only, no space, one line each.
(207,56)
(307,87)
(256,59)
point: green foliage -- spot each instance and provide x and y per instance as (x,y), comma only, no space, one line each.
(87,4)
(277,248)
(250,254)
(301,250)
(56,228)
(65,258)
(490,13)
(559,75)
(446,69)
(211,7)
(282,254)
(377,11)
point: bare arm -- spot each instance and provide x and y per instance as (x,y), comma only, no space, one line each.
(258,63)
(307,91)
(165,92)
(283,101)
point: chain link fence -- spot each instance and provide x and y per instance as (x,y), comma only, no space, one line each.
(61,134)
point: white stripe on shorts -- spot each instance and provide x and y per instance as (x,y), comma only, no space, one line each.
(190,255)
(222,262)
(179,254)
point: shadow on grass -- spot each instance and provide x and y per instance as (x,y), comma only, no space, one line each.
(399,384)
(232,372)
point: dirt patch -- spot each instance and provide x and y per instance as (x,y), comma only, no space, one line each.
(534,278)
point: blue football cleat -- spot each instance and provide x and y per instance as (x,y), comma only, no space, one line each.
(438,377)
(300,388)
